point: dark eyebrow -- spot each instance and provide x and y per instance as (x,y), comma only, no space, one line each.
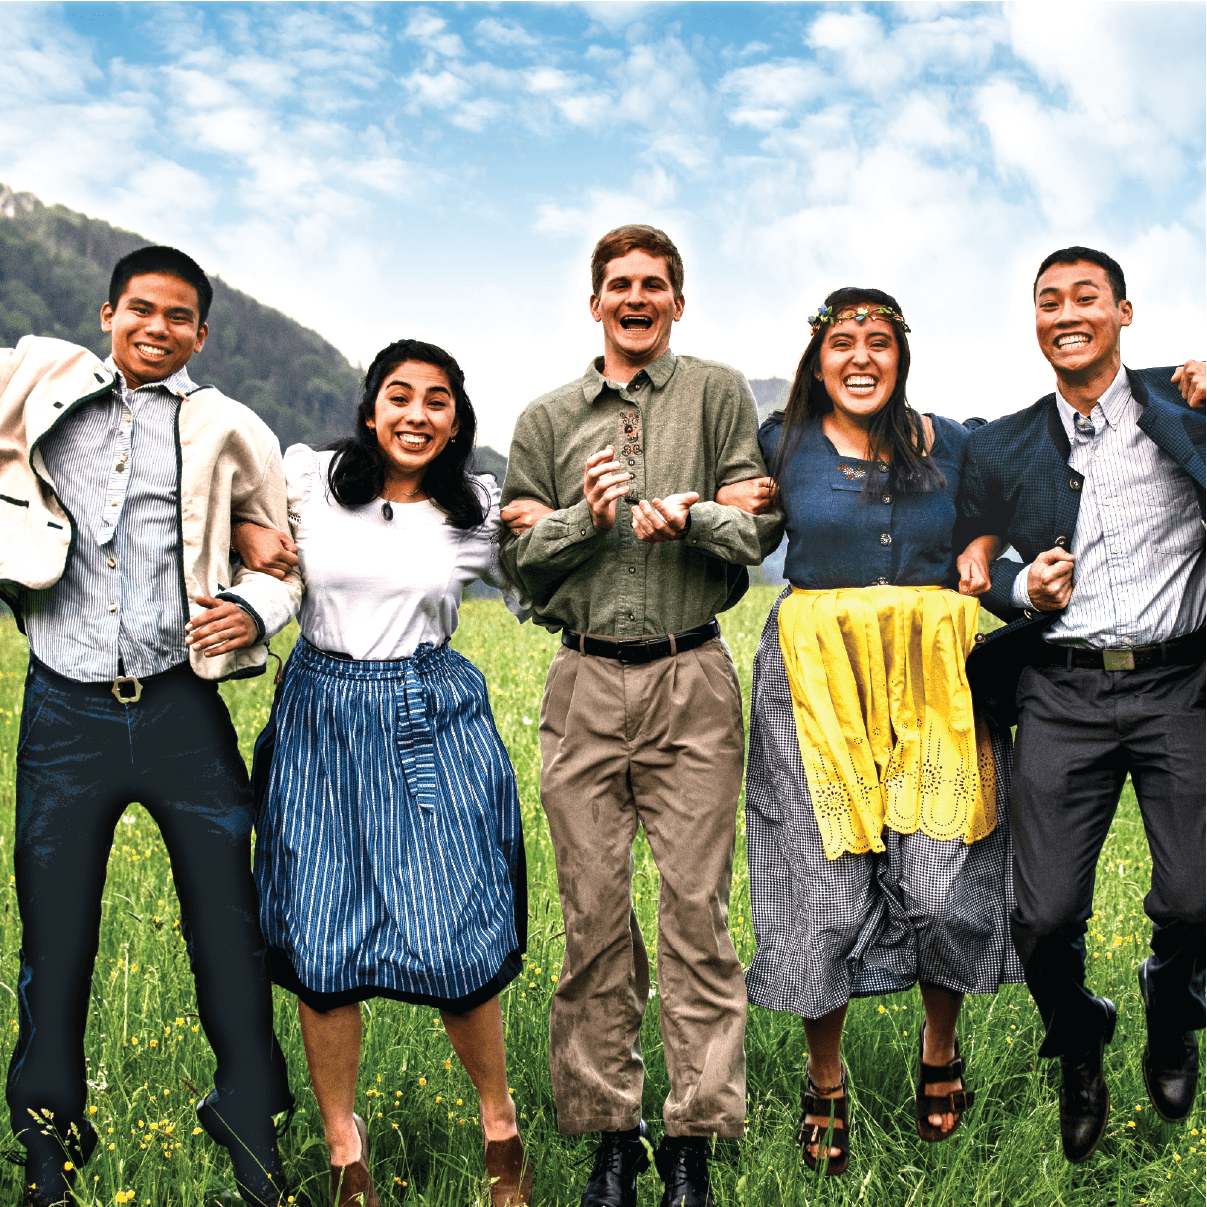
(1053,289)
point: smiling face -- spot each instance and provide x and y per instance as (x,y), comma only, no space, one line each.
(154,327)
(414,418)
(636,305)
(858,366)
(1077,321)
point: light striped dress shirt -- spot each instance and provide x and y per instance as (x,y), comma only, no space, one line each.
(1138,547)
(121,596)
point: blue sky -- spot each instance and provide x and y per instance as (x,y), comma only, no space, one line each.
(442,170)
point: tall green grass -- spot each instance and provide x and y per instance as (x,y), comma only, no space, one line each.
(146,1052)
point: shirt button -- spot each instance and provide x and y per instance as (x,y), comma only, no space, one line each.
(632,569)
(1074,484)
(885,539)
(887,499)
(113,607)
(126,416)
(632,462)
(583,531)
(631,616)
(112,502)
(112,563)
(120,467)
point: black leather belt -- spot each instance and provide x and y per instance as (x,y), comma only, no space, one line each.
(126,689)
(644,649)
(1182,651)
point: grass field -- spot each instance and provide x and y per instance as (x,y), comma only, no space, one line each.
(144,1045)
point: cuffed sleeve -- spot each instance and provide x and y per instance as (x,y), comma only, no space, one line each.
(1019,595)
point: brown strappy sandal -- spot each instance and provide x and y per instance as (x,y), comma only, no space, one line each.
(955,1102)
(819,1100)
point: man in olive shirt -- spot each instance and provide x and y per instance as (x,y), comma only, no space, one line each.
(612,484)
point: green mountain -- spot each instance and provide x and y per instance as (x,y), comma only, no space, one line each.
(54,275)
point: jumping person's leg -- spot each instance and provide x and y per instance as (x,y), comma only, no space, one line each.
(1069,770)
(595,1018)
(332,1042)
(194,784)
(687,772)
(477,1038)
(73,781)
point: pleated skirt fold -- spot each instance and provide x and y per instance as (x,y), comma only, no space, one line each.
(389,850)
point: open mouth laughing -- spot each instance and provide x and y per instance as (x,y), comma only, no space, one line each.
(860,384)
(413,442)
(1074,340)
(636,322)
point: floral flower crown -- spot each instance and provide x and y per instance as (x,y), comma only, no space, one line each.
(861,314)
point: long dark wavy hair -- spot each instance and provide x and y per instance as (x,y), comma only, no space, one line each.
(357,474)
(895,433)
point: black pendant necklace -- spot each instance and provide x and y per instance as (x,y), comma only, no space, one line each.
(387,512)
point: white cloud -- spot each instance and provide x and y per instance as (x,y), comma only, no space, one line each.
(505,33)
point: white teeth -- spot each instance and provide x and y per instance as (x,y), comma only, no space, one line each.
(1072,341)
(151,350)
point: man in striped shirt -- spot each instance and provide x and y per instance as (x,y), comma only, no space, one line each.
(117,483)
(1100,489)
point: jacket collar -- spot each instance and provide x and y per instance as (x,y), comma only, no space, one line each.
(659,372)
(1056,429)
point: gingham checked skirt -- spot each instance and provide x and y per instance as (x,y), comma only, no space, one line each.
(829,930)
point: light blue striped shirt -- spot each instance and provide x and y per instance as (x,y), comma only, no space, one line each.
(1138,547)
(113,462)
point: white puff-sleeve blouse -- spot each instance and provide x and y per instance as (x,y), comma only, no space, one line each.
(379,588)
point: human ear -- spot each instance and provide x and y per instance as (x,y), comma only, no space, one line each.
(106,317)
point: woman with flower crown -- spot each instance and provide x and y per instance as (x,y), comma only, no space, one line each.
(876,800)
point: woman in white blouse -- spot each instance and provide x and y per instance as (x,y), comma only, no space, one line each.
(389,854)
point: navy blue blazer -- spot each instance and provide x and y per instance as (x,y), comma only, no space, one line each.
(1018,484)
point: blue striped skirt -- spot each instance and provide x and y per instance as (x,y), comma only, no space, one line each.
(389,850)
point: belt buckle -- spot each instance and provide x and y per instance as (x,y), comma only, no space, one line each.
(1118,660)
(122,682)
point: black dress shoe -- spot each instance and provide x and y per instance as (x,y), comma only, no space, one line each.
(253,1154)
(1085,1101)
(620,1157)
(1170,1064)
(682,1163)
(51,1163)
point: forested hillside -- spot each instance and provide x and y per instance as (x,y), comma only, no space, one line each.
(54,275)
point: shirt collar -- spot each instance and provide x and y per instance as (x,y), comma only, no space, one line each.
(659,373)
(1112,403)
(179,383)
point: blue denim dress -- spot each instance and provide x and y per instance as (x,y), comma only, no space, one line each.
(835,539)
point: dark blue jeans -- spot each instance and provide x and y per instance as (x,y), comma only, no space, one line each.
(82,757)
(1080,733)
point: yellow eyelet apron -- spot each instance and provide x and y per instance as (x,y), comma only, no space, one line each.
(884,716)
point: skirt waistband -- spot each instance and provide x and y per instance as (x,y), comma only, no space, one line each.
(426,660)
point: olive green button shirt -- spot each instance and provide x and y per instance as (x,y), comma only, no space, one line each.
(680,424)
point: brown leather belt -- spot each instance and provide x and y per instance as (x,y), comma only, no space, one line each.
(1182,651)
(643,649)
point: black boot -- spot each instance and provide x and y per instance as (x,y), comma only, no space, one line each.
(1170,1062)
(683,1166)
(1085,1101)
(620,1157)
(253,1153)
(51,1162)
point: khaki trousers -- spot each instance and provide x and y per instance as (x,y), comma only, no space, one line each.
(660,745)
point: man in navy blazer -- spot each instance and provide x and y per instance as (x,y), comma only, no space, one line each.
(1099,489)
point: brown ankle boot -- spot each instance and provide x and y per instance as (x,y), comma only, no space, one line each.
(509,1173)
(351,1185)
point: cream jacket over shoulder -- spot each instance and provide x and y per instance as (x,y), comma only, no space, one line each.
(378,588)
(228,464)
